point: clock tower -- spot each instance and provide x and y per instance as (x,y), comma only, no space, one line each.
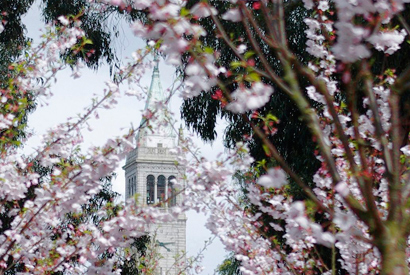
(149,172)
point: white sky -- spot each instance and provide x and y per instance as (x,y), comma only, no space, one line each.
(71,96)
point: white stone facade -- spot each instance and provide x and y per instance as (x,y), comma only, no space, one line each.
(145,162)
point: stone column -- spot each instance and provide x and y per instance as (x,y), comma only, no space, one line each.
(166,192)
(155,190)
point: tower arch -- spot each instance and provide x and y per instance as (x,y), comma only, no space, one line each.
(172,194)
(150,189)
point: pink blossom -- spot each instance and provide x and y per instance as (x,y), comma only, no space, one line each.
(241,48)
(233,15)
(308,4)
(139,29)
(168,11)
(323,5)
(116,2)
(349,46)
(406,150)
(245,99)
(344,220)
(6,120)
(63,20)
(342,188)
(142,4)
(203,10)
(275,178)
(315,49)
(311,91)
(388,42)
(200,77)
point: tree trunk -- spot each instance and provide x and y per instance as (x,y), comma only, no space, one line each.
(393,252)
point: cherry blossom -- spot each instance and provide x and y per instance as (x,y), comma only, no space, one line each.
(63,20)
(388,42)
(406,150)
(203,10)
(349,47)
(308,4)
(250,99)
(275,178)
(232,15)
(357,199)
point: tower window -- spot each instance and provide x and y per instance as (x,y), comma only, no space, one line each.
(159,145)
(150,189)
(161,188)
(129,188)
(134,185)
(172,194)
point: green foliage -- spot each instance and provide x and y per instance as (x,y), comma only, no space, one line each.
(138,249)
(12,39)
(230,266)
(100,28)
(13,43)
(94,26)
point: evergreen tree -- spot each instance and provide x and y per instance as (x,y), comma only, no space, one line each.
(230,266)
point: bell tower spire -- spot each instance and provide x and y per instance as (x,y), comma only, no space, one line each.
(152,174)
(156,62)
(155,92)
(157,131)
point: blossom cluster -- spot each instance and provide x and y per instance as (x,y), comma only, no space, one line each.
(357,199)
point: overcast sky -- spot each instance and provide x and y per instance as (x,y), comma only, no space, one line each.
(70,97)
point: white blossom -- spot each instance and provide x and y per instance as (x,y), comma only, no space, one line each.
(388,42)
(275,178)
(245,99)
(233,15)
(203,10)
(406,150)
(63,20)
(349,46)
(308,4)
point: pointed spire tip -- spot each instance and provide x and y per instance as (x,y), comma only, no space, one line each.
(156,60)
